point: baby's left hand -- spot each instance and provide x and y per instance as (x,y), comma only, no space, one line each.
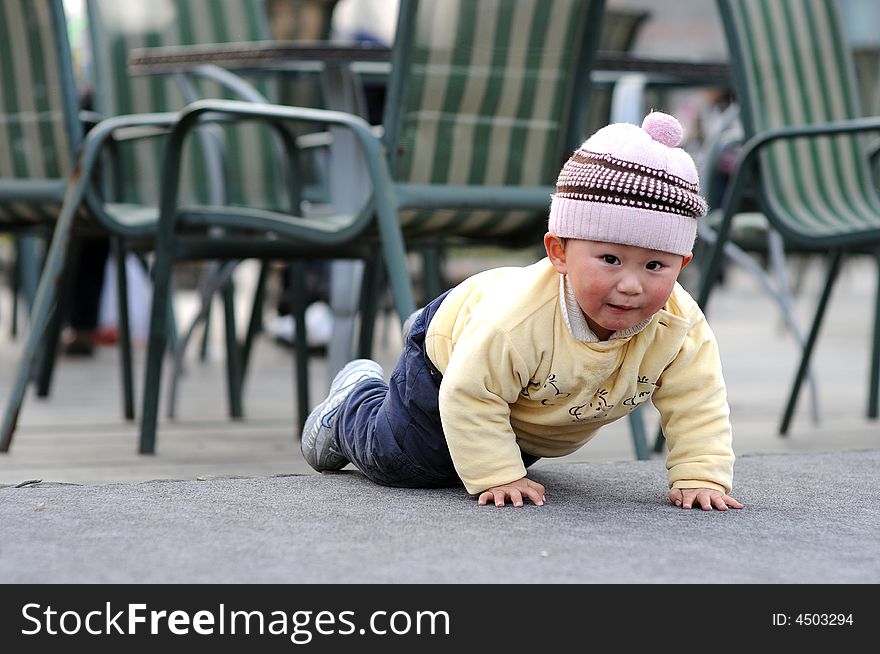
(706,498)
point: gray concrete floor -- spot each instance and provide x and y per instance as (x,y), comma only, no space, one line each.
(77,435)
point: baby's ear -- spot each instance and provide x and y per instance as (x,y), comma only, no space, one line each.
(686,260)
(555,247)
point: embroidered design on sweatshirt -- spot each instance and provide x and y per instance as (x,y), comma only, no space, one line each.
(551,383)
(598,407)
(640,396)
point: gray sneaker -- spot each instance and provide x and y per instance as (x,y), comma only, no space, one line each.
(318,444)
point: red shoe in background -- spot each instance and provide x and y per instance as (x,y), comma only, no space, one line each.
(108,335)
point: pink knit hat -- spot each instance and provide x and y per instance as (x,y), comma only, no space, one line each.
(631,185)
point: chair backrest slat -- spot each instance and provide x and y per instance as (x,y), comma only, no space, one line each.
(793,67)
(118,27)
(486,92)
(39,131)
(34,92)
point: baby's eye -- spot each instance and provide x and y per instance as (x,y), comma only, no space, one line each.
(610,259)
(654,265)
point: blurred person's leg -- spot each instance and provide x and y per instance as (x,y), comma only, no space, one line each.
(81,309)
(319,316)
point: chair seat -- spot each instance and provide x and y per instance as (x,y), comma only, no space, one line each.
(251,219)
(836,213)
(134,215)
(471,211)
(482,224)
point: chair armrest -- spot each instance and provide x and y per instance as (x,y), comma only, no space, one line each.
(79,185)
(314,140)
(127,125)
(111,130)
(762,139)
(140,125)
(202,112)
(755,144)
(381,203)
(139,132)
(228,80)
(746,164)
(89,118)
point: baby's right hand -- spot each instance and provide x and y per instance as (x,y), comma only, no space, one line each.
(515,491)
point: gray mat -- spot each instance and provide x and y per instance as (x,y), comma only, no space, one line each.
(809,518)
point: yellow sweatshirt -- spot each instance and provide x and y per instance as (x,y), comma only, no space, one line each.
(514,377)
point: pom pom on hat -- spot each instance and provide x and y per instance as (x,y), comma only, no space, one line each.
(663,128)
(631,185)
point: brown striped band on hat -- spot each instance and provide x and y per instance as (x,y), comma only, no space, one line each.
(596,177)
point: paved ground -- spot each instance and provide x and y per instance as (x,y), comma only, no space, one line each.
(603,523)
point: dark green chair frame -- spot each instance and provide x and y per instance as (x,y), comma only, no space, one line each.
(770,140)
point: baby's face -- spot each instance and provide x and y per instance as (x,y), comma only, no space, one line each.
(619,286)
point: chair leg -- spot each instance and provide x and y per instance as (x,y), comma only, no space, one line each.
(233,358)
(210,284)
(374,274)
(172,335)
(393,250)
(255,324)
(46,297)
(710,273)
(25,275)
(776,249)
(833,270)
(297,272)
(659,440)
(346,282)
(637,428)
(124,329)
(206,334)
(874,385)
(15,288)
(432,272)
(48,353)
(161,323)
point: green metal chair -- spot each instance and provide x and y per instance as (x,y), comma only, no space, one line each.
(804,151)
(49,168)
(485,101)
(236,165)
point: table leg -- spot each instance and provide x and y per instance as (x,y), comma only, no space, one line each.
(349,189)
